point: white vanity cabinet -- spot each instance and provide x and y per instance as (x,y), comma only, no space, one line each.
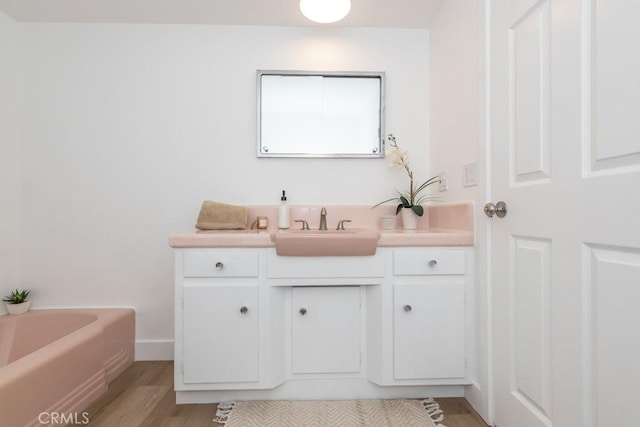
(429,314)
(222,329)
(251,324)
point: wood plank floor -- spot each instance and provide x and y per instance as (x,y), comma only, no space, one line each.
(143,396)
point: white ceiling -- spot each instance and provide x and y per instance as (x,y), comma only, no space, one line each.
(364,13)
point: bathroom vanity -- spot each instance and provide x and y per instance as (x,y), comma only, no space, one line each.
(252,324)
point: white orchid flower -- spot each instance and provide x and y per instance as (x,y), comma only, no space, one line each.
(412,198)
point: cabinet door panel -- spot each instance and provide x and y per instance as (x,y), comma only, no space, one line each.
(220,333)
(325,329)
(429,330)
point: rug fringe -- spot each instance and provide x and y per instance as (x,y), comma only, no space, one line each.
(434,411)
(223,413)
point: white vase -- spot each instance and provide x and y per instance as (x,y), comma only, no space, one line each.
(409,219)
(19,308)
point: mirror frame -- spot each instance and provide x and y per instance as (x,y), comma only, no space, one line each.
(364,74)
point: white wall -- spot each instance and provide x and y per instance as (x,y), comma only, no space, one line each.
(456,137)
(130,127)
(9,133)
(454,93)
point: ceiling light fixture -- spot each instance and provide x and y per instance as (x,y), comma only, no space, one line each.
(325,11)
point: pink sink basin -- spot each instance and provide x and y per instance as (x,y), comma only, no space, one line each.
(351,242)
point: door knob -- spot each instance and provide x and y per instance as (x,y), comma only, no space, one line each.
(499,209)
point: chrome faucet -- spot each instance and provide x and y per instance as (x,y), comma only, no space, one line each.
(323,219)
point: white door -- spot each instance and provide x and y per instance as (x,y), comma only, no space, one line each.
(565,142)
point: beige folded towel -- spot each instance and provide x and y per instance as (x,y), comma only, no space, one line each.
(218,216)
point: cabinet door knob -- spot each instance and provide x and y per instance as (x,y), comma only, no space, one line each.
(303,311)
(219,265)
(244,310)
(407,308)
(433,263)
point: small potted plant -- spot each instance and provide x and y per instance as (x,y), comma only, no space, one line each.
(17,301)
(409,202)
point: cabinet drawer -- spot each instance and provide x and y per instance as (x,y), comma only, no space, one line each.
(211,263)
(428,261)
(324,266)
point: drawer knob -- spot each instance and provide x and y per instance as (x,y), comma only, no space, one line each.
(219,265)
(303,311)
(433,263)
(244,310)
(407,308)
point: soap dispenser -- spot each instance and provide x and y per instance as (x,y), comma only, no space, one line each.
(284,213)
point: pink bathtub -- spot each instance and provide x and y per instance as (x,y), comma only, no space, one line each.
(54,363)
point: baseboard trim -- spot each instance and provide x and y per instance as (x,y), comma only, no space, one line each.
(154,350)
(321,390)
(474,395)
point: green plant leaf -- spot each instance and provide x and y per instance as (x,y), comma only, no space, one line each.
(385,201)
(426,198)
(405,202)
(430,181)
(17,297)
(399,208)
(419,210)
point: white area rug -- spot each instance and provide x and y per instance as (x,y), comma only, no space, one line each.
(330,413)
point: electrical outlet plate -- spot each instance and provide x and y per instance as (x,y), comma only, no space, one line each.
(470,174)
(444,184)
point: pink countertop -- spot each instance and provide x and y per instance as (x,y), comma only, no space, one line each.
(442,225)
(262,239)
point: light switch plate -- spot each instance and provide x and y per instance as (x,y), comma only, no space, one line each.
(470,174)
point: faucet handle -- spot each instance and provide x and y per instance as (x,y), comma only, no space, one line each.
(305,225)
(341,224)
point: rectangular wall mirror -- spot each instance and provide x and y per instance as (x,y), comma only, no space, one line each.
(320,114)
